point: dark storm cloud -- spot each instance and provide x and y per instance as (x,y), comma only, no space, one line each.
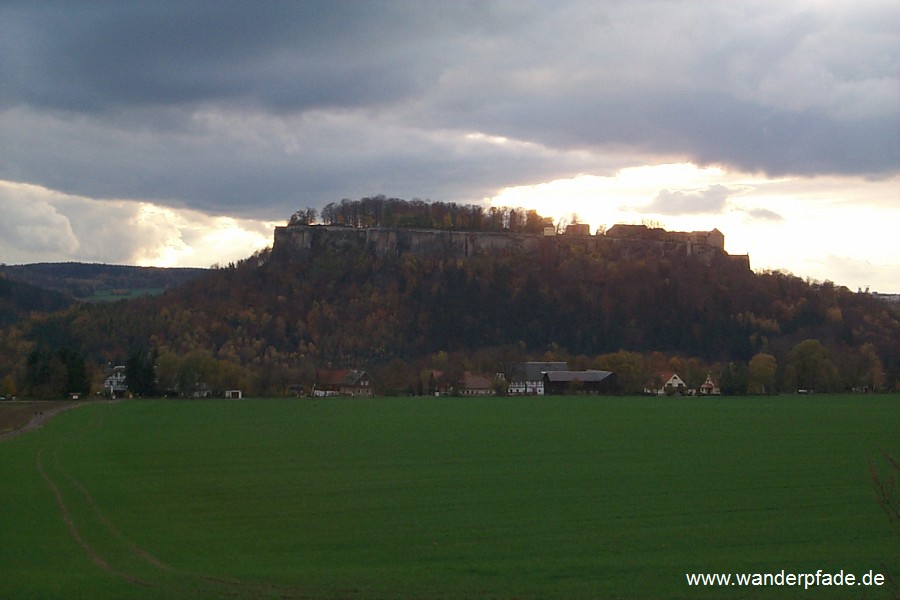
(270,166)
(283,56)
(240,107)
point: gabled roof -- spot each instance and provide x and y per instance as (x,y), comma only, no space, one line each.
(326,377)
(667,376)
(339,377)
(625,229)
(584,376)
(476,382)
(664,378)
(709,383)
(534,371)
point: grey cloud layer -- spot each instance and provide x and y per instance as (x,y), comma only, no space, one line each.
(240,107)
(100,58)
(710,200)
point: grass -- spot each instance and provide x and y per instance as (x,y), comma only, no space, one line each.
(445,498)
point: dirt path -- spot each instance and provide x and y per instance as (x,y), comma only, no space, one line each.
(95,556)
(18,417)
(73,498)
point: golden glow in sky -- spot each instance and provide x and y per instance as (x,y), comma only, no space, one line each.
(826,228)
(840,229)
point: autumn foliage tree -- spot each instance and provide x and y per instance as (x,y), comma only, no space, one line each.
(55,374)
(762,374)
(812,369)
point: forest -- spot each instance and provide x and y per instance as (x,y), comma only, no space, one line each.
(267,323)
(380,211)
(18,299)
(86,281)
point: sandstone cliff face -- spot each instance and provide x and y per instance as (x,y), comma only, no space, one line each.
(393,242)
(305,240)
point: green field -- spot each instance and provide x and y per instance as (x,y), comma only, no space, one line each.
(446,498)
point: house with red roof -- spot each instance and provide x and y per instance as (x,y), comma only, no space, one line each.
(343,382)
(709,387)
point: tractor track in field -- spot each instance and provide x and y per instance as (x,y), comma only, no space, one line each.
(185,583)
(92,553)
(136,550)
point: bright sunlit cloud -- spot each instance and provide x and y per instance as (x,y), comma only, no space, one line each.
(841,229)
(42,225)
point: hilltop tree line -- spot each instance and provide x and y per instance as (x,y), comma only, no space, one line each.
(268,322)
(380,211)
(85,281)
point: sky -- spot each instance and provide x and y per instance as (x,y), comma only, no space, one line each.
(174,133)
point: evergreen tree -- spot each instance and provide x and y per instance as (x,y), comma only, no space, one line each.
(140,372)
(733,379)
(77,380)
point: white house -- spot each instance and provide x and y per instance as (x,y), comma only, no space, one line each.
(115,382)
(666,384)
(528,377)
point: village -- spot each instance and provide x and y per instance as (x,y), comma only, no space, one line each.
(517,379)
(533,378)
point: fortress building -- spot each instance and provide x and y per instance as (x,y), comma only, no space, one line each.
(707,247)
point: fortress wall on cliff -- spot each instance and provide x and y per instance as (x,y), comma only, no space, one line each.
(395,241)
(297,240)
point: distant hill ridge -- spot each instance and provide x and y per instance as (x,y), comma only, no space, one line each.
(86,281)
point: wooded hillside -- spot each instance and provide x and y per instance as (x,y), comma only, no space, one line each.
(98,281)
(270,321)
(18,300)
